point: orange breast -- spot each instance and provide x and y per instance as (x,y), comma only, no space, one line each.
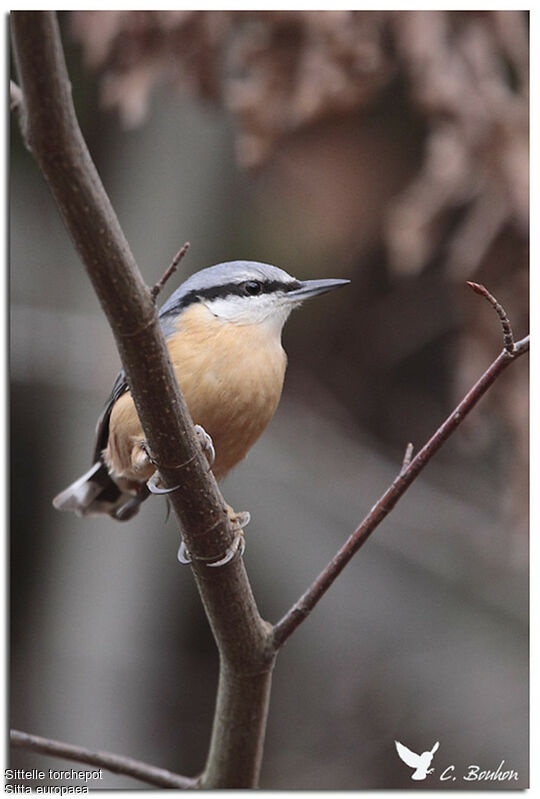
(231,377)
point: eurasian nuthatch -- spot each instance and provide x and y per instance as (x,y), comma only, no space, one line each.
(223,331)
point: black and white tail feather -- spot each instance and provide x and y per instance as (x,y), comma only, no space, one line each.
(96,493)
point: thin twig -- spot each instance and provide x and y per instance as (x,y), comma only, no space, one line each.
(305,604)
(508,336)
(115,763)
(158,288)
(407,457)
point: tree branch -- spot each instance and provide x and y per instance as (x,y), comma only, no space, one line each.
(158,288)
(53,136)
(409,472)
(407,456)
(508,335)
(115,763)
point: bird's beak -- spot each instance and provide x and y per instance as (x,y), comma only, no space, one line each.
(310,288)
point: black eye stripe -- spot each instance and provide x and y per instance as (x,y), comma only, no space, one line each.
(229,290)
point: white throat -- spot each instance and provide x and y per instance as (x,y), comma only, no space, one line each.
(269,312)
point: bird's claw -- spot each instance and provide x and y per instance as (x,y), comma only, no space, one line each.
(206,443)
(238,519)
(183,555)
(153,485)
(144,456)
(237,547)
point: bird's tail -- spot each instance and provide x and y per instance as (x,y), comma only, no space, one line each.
(96,494)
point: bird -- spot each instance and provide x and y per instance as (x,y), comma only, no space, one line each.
(420,763)
(222,327)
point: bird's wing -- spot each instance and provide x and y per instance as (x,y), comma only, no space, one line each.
(102,428)
(167,318)
(408,757)
(435,748)
(170,310)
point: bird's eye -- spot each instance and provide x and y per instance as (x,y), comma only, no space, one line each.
(252,287)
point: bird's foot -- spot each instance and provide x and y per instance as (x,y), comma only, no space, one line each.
(237,547)
(141,457)
(155,486)
(206,443)
(142,461)
(238,519)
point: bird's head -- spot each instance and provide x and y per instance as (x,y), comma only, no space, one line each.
(246,293)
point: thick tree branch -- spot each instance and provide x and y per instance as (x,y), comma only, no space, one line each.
(409,472)
(53,136)
(118,764)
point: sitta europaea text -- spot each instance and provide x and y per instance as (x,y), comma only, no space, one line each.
(223,331)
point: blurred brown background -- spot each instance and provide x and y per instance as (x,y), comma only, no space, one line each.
(387,147)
